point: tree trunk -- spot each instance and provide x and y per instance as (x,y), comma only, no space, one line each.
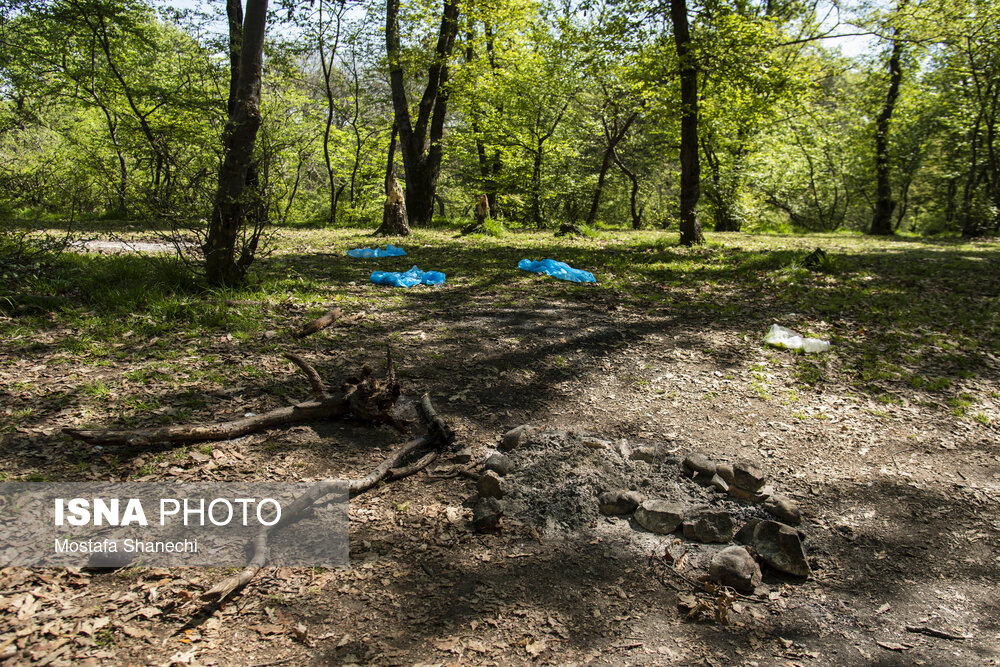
(233,208)
(536,187)
(394,219)
(420,142)
(613,135)
(884,203)
(690,227)
(633,195)
(390,163)
(596,202)
(234,14)
(487,169)
(327,67)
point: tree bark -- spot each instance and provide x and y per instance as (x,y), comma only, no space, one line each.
(690,227)
(327,67)
(420,142)
(395,221)
(233,209)
(884,203)
(390,163)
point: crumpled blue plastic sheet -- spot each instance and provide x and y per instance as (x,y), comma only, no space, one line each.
(412,277)
(368,253)
(560,270)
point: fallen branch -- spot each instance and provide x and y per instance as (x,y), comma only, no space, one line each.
(321,322)
(388,470)
(366,397)
(934,632)
(318,388)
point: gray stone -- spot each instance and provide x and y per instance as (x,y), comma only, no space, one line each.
(491,485)
(751,496)
(718,484)
(780,546)
(462,456)
(486,514)
(725,471)
(713,481)
(698,463)
(516,436)
(733,566)
(499,464)
(709,525)
(783,508)
(647,454)
(660,516)
(619,502)
(763,494)
(747,476)
(703,478)
(110,560)
(745,534)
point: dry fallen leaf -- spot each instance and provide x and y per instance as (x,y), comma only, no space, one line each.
(268,629)
(535,648)
(150,612)
(452,645)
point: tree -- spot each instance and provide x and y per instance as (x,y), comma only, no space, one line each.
(615,124)
(420,141)
(687,69)
(884,203)
(238,209)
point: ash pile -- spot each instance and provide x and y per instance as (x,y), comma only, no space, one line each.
(569,483)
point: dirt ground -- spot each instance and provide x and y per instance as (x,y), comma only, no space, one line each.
(900,499)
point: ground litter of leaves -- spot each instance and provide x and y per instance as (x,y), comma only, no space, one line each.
(888,443)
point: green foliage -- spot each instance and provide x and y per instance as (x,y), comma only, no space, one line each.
(110,109)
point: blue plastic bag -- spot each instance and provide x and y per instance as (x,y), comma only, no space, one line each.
(368,253)
(560,270)
(412,277)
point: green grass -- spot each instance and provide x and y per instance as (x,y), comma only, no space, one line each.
(904,315)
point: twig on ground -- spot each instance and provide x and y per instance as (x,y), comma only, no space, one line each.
(934,632)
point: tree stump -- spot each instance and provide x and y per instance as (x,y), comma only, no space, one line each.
(394,220)
(482,212)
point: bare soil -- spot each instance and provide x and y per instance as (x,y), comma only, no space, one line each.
(900,499)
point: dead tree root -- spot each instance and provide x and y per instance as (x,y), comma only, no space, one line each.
(365,397)
(394,467)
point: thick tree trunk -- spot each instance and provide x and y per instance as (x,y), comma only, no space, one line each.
(232,206)
(690,227)
(884,203)
(420,142)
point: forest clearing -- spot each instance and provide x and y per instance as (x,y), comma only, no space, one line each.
(887,443)
(499,332)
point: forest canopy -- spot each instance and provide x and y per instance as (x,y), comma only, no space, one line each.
(731,115)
